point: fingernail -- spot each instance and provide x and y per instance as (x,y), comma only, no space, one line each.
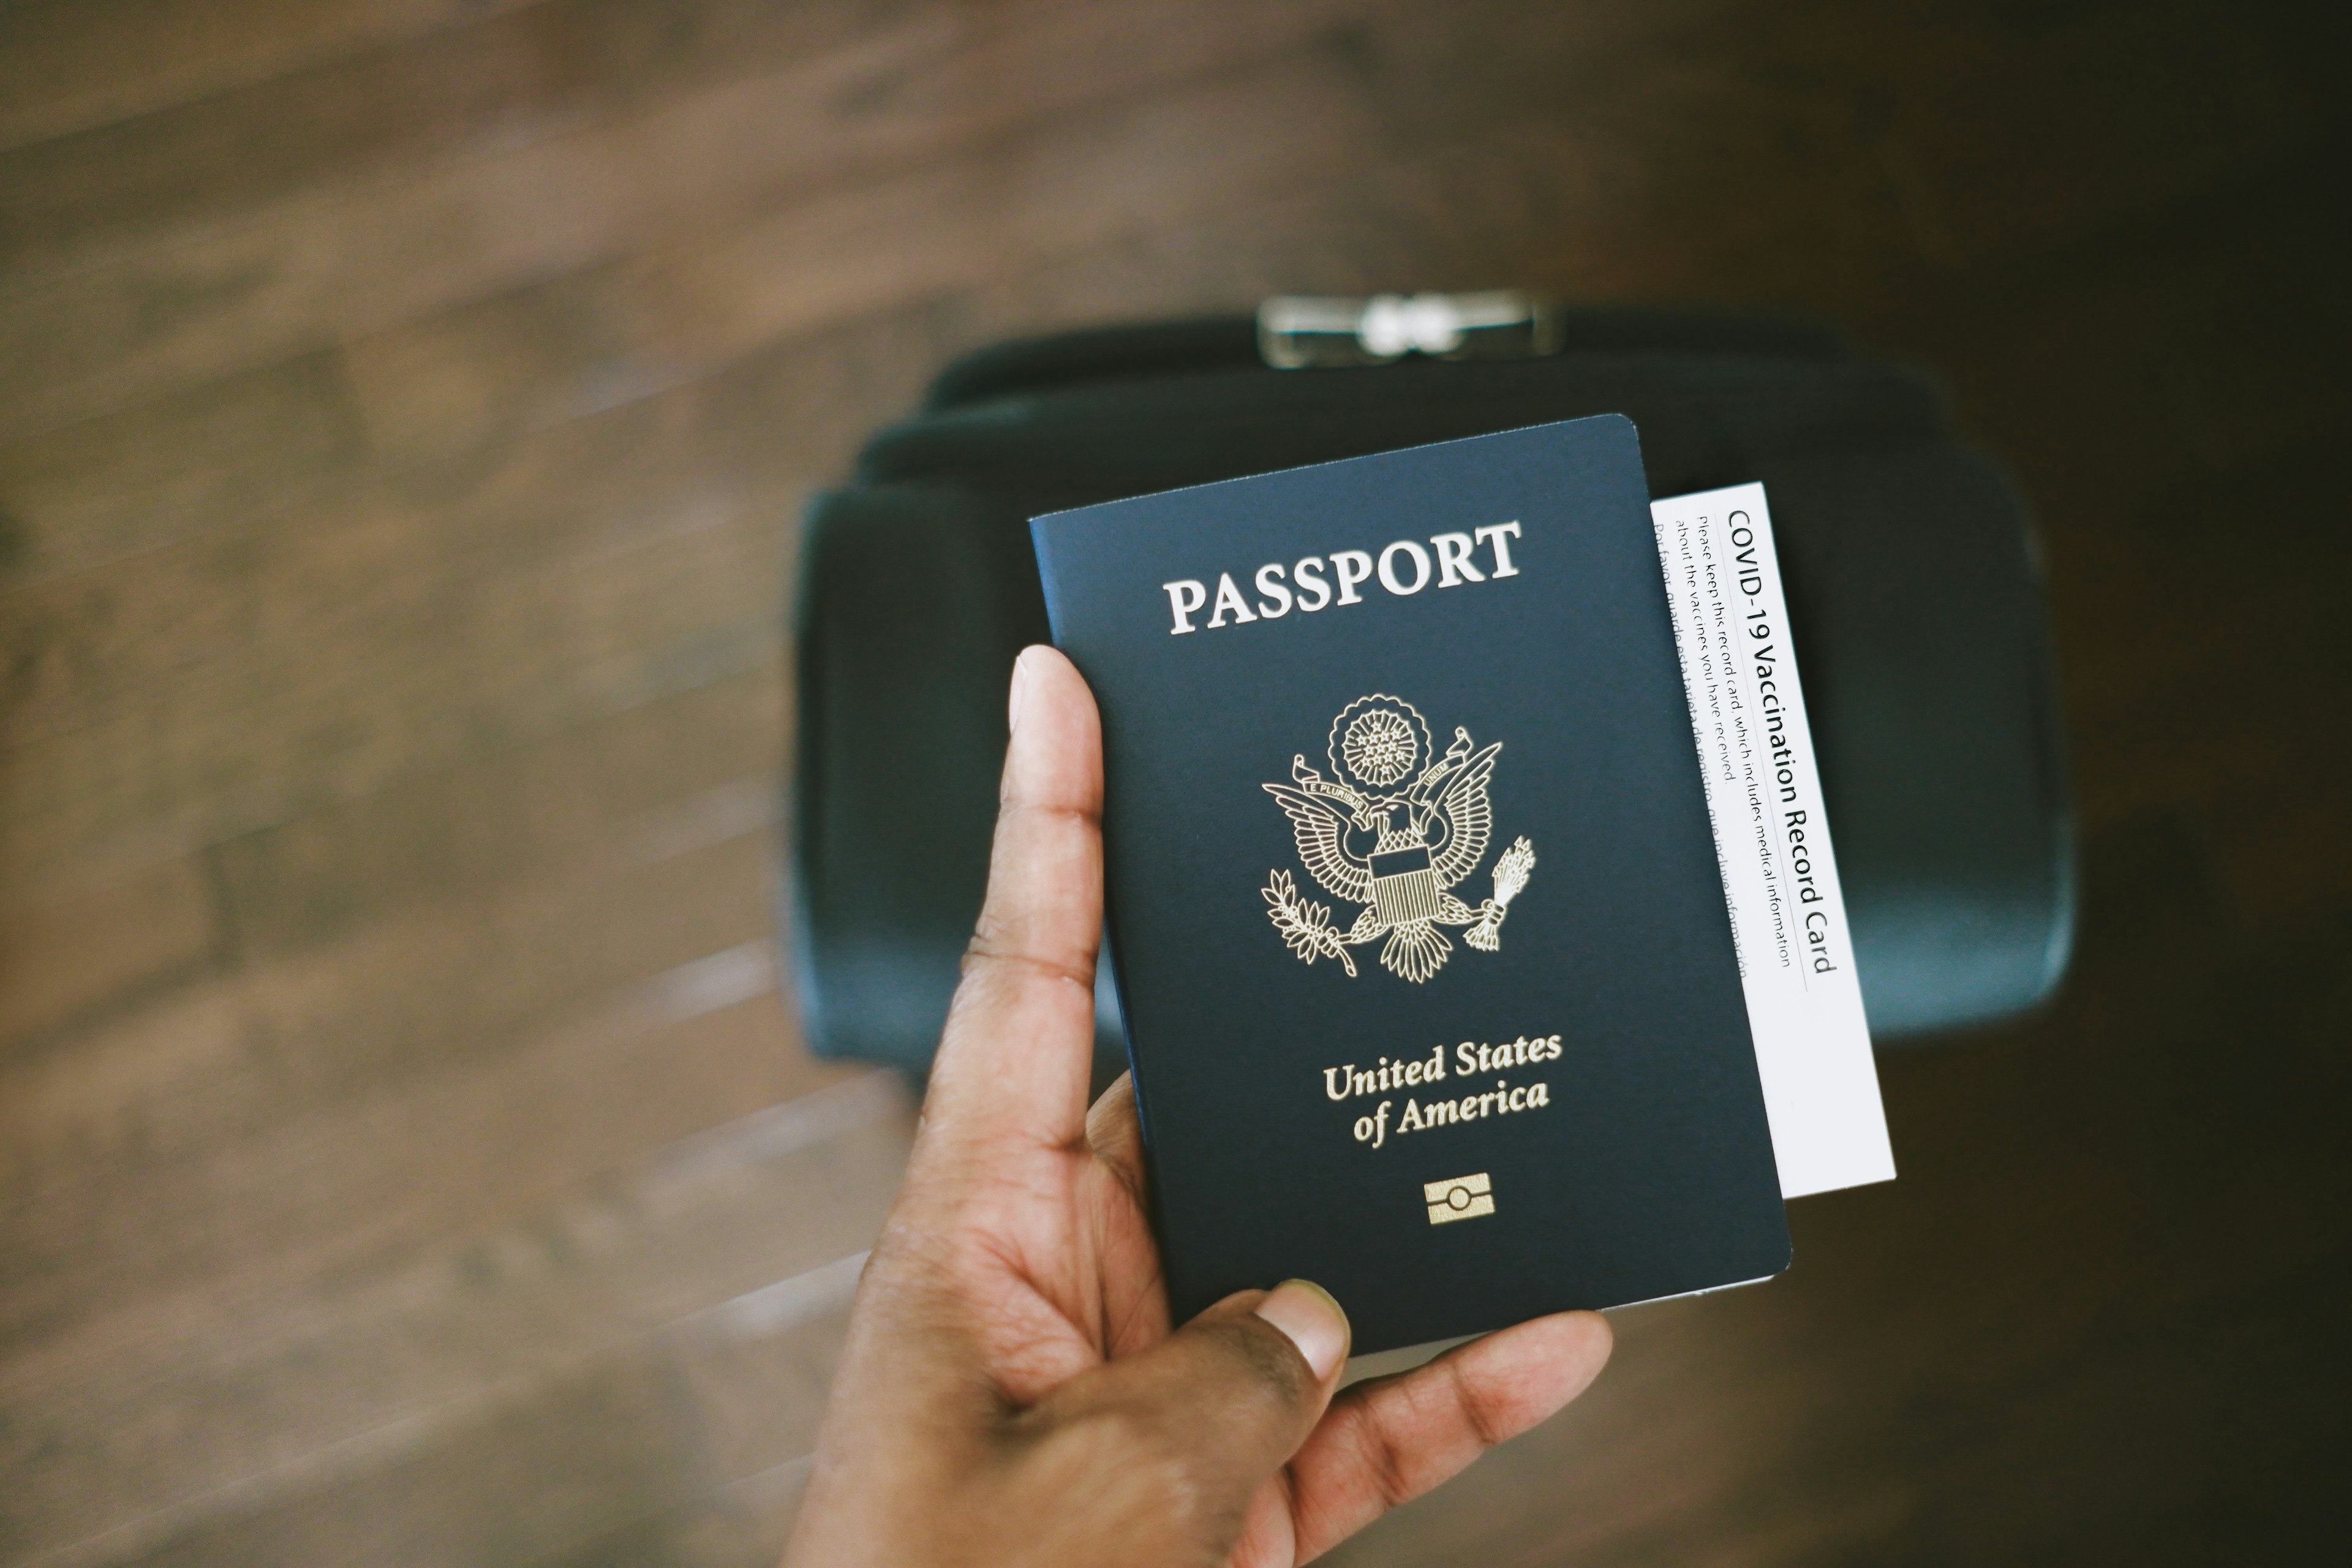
(1306,1313)
(1020,690)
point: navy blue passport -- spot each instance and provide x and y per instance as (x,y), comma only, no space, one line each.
(1416,918)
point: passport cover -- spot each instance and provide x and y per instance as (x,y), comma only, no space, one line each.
(1414,909)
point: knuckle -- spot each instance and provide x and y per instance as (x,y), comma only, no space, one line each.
(991,950)
(1478,1411)
(1384,1458)
(1011,803)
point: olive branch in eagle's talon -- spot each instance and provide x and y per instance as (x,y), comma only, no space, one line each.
(1306,927)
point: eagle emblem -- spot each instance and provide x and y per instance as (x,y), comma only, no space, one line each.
(1368,837)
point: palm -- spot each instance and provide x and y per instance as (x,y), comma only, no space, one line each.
(1069,1275)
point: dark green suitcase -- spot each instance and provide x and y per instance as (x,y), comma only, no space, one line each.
(1911,575)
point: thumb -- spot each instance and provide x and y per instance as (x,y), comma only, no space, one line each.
(1180,1438)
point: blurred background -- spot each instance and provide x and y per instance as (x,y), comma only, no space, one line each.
(407,1152)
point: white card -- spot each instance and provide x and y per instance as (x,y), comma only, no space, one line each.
(1772,840)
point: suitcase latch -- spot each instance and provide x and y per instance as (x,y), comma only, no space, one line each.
(1301,332)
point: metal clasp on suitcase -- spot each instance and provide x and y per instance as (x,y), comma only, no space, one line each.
(1300,332)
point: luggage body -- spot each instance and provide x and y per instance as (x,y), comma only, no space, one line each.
(1915,599)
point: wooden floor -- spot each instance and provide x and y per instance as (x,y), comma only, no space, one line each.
(406,1155)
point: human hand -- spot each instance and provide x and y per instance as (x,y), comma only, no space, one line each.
(1012,1391)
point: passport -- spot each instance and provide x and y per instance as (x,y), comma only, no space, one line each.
(1414,910)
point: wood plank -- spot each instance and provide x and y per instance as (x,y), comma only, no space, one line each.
(409,1357)
(1716,107)
(445,392)
(931,232)
(517,660)
(2284,855)
(668,779)
(376,713)
(589,1448)
(2006,138)
(621,559)
(615,1441)
(2186,332)
(318,266)
(725,288)
(453,386)
(224,1133)
(328,897)
(1676,173)
(655,868)
(64,962)
(71,65)
(256,442)
(506,79)
(183,626)
(2249,650)
(340,1017)
(185,1091)
(434,409)
(744,1524)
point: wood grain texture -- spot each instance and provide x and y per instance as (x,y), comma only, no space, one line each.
(77,65)
(702,1269)
(64,960)
(506,79)
(405,407)
(320,262)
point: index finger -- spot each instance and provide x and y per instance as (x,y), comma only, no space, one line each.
(1019,1044)
(1388,1441)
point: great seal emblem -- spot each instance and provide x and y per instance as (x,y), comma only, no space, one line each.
(1399,851)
